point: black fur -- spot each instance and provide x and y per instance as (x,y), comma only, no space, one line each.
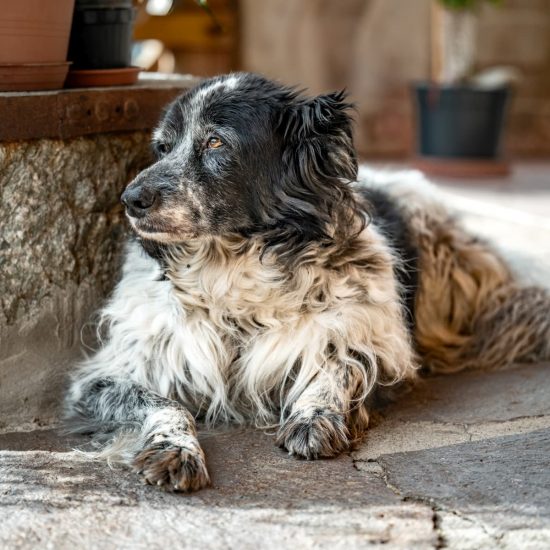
(111,401)
(282,173)
(392,222)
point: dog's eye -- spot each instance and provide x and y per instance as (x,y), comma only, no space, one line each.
(162,148)
(214,142)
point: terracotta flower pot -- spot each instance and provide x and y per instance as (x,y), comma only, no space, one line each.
(34,33)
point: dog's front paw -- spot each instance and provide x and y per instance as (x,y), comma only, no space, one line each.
(314,433)
(173,467)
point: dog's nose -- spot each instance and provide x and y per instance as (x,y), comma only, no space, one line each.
(139,200)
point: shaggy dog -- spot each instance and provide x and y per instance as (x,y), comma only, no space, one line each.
(267,285)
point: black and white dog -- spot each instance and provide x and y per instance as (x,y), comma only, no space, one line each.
(266,285)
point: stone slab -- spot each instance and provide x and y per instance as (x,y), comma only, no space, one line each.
(466,533)
(62,230)
(394,436)
(49,497)
(453,409)
(476,396)
(502,483)
(246,468)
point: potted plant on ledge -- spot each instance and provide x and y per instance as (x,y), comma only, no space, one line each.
(460,115)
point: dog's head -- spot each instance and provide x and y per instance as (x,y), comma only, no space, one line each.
(239,154)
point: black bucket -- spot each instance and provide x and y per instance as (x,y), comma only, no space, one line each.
(459,121)
(101,34)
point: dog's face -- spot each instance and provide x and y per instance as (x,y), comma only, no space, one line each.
(240,152)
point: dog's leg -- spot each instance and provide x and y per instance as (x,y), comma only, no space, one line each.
(154,434)
(325,419)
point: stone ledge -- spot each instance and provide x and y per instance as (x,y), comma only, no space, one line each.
(62,114)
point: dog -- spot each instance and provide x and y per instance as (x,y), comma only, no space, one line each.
(266,285)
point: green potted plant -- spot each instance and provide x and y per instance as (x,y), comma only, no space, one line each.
(33,44)
(460,115)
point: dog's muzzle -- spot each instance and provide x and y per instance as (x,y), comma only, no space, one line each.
(139,200)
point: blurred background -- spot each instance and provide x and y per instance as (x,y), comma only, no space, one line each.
(374,48)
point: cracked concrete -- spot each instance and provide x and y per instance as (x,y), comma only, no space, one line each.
(475,448)
(478,405)
(499,485)
(440,468)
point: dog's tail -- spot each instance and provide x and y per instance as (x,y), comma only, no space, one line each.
(471,312)
(513,326)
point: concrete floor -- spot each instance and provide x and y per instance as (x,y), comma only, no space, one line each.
(527,189)
(462,462)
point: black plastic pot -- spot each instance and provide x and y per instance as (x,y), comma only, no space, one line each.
(101,34)
(459,122)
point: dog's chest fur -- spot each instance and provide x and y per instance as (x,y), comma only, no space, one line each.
(228,327)
(245,294)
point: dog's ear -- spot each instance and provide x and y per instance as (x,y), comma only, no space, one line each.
(318,135)
(318,161)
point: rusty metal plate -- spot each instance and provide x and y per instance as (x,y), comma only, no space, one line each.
(70,113)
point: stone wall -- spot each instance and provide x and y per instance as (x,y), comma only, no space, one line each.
(61,231)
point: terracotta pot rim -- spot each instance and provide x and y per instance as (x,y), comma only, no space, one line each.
(116,70)
(30,65)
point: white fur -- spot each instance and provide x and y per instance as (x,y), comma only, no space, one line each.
(226,330)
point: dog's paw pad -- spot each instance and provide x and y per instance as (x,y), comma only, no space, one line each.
(173,467)
(314,434)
